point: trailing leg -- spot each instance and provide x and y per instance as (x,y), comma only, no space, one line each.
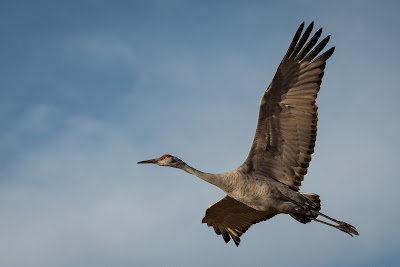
(342,226)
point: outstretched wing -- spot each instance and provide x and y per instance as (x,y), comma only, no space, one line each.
(287,120)
(232,218)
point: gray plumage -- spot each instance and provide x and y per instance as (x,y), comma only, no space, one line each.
(287,121)
(267,183)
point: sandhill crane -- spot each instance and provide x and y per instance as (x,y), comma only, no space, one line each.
(268,182)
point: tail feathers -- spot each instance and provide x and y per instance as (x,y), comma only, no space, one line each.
(301,218)
(314,198)
(315,201)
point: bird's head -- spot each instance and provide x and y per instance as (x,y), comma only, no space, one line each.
(165,160)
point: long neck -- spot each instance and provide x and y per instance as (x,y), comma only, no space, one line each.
(215,179)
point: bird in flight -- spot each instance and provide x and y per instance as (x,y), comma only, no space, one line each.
(268,182)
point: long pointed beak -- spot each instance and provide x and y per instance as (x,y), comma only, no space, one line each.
(148,161)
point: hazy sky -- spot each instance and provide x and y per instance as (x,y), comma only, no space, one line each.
(89,88)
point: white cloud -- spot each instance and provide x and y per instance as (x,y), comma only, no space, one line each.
(99,50)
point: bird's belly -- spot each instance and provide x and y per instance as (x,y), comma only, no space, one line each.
(258,194)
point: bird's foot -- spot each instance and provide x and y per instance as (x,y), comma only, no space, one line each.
(347,228)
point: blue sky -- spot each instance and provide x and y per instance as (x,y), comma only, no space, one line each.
(88,88)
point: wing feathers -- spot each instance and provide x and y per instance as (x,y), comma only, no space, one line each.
(309,46)
(317,49)
(303,40)
(294,41)
(231,218)
(225,235)
(311,73)
(287,123)
(325,56)
(216,229)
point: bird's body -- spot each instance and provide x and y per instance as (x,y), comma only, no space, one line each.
(256,192)
(268,182)
(260,193)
